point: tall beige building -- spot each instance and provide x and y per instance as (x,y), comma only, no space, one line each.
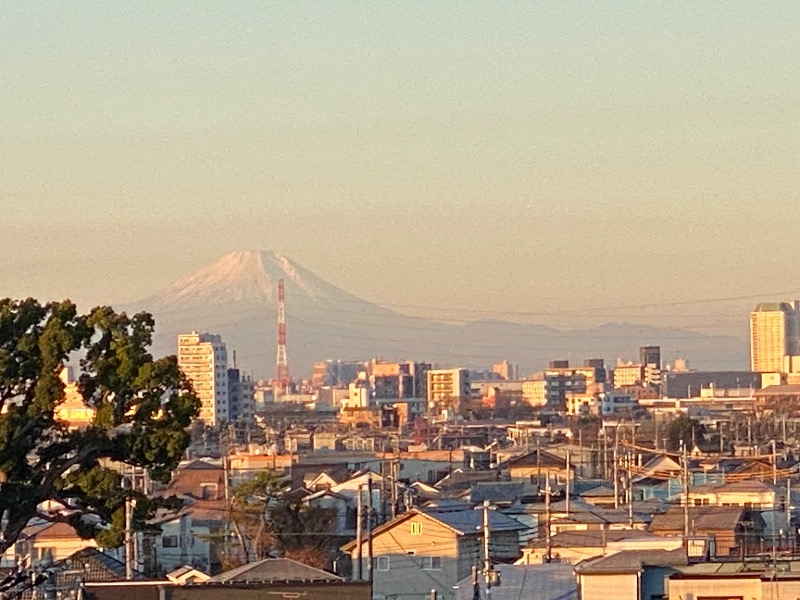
(204,359)
(774,335)
(447,388)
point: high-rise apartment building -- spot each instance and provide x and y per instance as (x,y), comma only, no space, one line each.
(203,357)
(774,335)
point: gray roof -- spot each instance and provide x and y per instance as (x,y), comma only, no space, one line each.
(632,561)
(274,569)
(705,518)
(598,492)
(592,538)
(528,582)
(471,521)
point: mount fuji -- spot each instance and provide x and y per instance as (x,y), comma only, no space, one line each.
(236,297)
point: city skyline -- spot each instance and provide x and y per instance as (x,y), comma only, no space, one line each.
(631,150)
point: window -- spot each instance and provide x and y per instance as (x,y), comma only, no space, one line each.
(431,563)
(169,541)
(416,528)
(382,563)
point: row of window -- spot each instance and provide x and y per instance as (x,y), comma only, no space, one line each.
(428,563)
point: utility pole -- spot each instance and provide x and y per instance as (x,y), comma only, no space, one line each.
(566,485)
(369,528)
(790,530)
(395,477)
(685,494)
(774,464)
(487,561)
(616,473)
(628,480)
(547,542)
(359,534)
(130,549)
(655,418)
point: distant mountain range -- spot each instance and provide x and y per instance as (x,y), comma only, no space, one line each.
(236,298)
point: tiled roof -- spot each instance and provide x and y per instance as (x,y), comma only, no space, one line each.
(274,569)
(592,538)
(471,521)
(632,561)
(706,518)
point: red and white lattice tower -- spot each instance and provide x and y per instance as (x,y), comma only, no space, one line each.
(281,364)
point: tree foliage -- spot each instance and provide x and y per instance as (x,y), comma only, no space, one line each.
(686,430)
(142,409)
(268,520)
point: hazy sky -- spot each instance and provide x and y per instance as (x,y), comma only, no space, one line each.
(541,157)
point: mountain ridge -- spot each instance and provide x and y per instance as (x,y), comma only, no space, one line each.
(235,296)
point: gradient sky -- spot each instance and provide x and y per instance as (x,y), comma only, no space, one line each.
(551,159)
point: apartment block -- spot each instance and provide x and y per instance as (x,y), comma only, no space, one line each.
(203,357)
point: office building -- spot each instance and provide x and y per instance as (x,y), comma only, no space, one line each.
(774,335)
(203,357)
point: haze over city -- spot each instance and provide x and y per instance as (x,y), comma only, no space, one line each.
(561,163)
(399,300)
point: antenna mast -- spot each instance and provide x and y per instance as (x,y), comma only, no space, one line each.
(281,384)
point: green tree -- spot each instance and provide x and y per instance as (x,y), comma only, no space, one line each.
(142,409)
(268,519)
(684,429)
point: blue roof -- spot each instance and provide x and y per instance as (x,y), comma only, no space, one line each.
(471,521)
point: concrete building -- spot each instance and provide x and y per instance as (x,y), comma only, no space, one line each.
(774,335)
(337,373)
(506,369)
(203,357)
(447,388)
(628,375)
(241,396)
(73,411)
(534,392)
(390,379)
(561,379)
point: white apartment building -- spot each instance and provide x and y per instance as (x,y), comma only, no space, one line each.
(203,357)
(774,335)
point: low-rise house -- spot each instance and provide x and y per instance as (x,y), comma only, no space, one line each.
(273,569)
(41,540)
(600,496)
(729,526)
(183,540)
(187,575)
(572,547)
(750,581)
(539,466)
(631,575)
(750,494)
(420,551)
(342,500)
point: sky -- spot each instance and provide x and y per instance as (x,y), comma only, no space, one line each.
(556,161)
